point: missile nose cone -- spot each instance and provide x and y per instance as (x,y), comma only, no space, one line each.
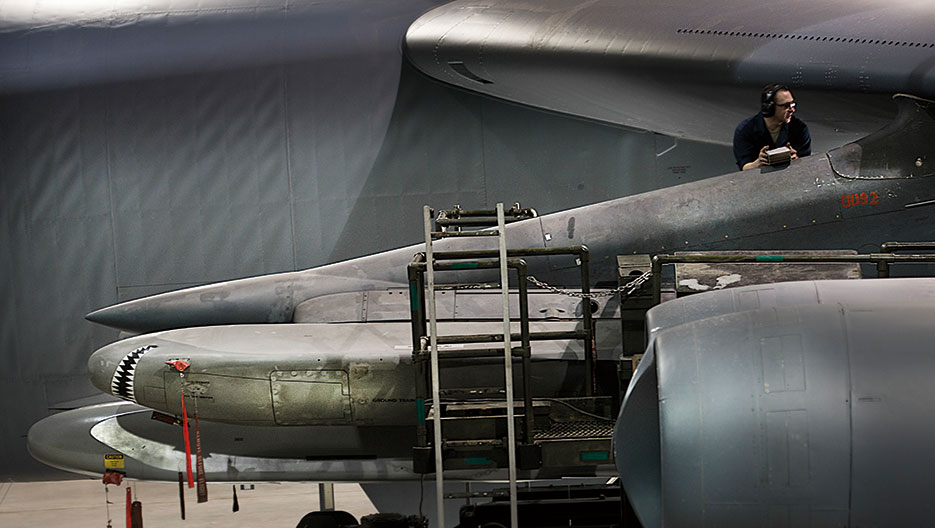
(64,440)
(57,440)
(264,299)
(112,316)
(147,314)
(102,364)
(112,368)
(44,442)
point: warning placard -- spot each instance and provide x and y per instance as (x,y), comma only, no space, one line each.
(113,461)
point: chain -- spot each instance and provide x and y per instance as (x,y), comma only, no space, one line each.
(630,287)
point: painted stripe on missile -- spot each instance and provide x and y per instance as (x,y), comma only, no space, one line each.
(769,258)
(463,265)
(595,456)
(477,461)
(420,409)
(413,306)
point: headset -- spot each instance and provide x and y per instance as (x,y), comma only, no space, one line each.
(768,99)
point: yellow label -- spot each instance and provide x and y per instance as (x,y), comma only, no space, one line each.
(113,461)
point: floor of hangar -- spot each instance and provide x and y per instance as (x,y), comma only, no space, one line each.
(66,504)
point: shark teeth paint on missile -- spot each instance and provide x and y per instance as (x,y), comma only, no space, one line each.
(122,383)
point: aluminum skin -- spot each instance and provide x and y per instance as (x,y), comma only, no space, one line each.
(77,440)
(873,292)
(855,197)
(685,69)
(152,146)
(301,401)
(788,415)
(316,374)
(636,451)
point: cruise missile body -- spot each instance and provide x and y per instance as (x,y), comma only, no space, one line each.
(857,196)
(316,373)
(330,400)
(79,440)
(305,401)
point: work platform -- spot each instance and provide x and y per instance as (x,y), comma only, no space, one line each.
(570,434)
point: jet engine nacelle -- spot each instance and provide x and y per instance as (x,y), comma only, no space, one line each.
(802,415)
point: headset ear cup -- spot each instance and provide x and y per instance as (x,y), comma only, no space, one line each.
(768,108)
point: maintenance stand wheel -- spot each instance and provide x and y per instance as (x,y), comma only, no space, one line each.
(392,520)
(328,519)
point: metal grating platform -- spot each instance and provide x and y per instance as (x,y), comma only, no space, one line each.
(567,430)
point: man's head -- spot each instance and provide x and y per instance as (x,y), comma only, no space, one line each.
(776,102)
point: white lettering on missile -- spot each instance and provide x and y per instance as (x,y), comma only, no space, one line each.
(722,282)
(693,284)
(727,280)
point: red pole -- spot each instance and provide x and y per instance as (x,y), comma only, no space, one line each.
(129,508)
(188,445)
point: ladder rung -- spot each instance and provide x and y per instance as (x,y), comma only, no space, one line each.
(488,410)
(455,444)
(474,221)
(477,494)
(458,409)
(477,392)
(478,218)
(467,353)
(455,234)
(498,338)
(468,286)
(477,353)
(474,338)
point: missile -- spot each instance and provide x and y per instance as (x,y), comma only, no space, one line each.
(861,194)
(83,440)
(316,374)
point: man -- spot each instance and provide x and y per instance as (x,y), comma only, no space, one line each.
(775,126)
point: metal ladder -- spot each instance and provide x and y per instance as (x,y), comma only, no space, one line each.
(426,343)
(507,352)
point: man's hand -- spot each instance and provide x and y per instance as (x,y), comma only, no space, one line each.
(761,161)
(795,154)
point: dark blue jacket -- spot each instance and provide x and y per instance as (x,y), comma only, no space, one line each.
(751,135)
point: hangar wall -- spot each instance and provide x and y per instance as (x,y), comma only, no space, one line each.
(115,190)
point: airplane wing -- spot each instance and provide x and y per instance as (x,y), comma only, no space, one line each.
(684,68)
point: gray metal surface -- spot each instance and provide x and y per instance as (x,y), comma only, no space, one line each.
(155,451)
(697,277)
(77,441)
(392,304)
(872,292)
(687,69)
(209,142)
(803,415)
(637,452)
(314,374)
(798,207)
(145,148)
